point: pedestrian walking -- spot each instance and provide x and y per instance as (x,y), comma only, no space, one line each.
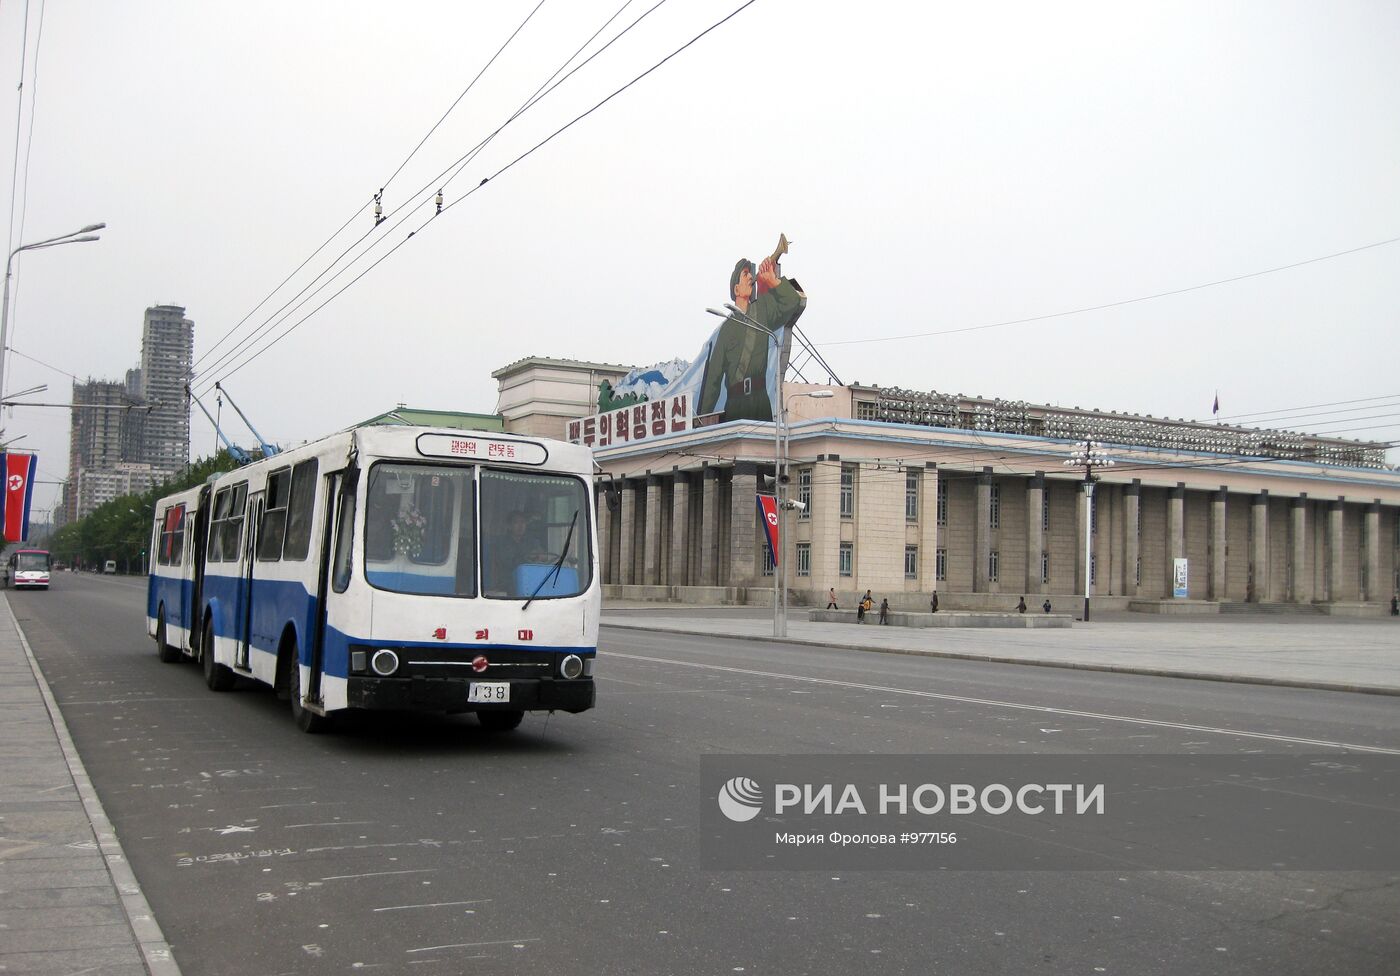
(933,602)
(885,610)
(1021,607)
(1046,605)
(831,599)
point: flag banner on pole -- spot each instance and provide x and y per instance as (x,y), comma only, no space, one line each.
(1215,409)
(768,513)
(14,503)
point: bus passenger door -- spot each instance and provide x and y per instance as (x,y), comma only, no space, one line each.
(196,548)
(250,552)
(330,524)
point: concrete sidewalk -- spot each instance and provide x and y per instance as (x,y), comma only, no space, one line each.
(1332,654)
(69,902)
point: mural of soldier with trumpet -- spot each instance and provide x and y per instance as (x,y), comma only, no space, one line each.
(743,366)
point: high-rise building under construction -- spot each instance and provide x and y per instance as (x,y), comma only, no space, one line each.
(167,355)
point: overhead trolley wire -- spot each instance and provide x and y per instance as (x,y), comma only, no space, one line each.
(1118,304)
(555,134)
(460,163)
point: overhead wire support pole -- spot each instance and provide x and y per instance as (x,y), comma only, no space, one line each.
(235,452)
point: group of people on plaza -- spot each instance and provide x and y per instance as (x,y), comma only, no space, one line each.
(866,604)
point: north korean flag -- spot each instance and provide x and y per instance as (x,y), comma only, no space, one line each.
(14,503)
(768,514)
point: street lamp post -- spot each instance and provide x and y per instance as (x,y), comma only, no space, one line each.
(1089,457)
(780,489)
(73,237)
(737,315)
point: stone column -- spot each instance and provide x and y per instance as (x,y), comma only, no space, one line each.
(981,532)
(1373,589)
(743,545)
(1132,500)
(1335,552)
(709,526)
(627,548)
(928,530)
(1081,521)
(1259,549)
(1176,532)
(1299,570)
(651,534)
(604,526)
(1035,538)
(680,529)
(1217,544)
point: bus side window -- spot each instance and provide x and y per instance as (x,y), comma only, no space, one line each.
(300,509)
(274,517)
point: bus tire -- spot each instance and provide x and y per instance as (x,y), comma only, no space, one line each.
(500,721)
(307,720)
(219,677)
(167,654)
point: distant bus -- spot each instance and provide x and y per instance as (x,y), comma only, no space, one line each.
(29,569)
(388,568)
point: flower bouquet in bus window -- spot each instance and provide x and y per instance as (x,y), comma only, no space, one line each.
(408,529)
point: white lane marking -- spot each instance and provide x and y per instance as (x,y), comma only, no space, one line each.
(378,874)
(436,904)
(333,823)
(472,945)
(1042,709)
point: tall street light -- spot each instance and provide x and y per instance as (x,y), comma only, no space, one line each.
(736,315)
(73,237)
(780,482)
(1089,457)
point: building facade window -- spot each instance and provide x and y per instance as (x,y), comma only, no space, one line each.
(911,562)
(994,511)
(940,564)
(992,559)
(767,560)
(942,502)
(804,559)
(1045,567)
(804,492)
(867,410)
(1045,510)
(1137,571)
(845,558)
(911,496)
(848,491)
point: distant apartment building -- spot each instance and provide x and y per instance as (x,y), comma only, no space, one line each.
(126,436)
(167,357)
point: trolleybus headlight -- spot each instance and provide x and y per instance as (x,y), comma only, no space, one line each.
(384,663)
(571,666)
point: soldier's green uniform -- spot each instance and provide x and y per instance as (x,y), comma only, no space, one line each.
(739,360)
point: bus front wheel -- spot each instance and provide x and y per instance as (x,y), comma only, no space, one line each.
(306,719)
(499,721)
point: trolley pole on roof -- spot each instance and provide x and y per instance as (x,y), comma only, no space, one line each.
(267,449)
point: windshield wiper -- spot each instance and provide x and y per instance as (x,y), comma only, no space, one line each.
(558,563)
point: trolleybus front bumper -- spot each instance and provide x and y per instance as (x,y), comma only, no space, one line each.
(450,694)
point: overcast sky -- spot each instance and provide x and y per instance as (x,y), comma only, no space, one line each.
(937,167)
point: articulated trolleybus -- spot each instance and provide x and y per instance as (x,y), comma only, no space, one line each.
(388,568)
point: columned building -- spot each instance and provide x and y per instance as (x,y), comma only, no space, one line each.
(905,493)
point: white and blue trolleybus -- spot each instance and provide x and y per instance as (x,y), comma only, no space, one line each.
(388,567)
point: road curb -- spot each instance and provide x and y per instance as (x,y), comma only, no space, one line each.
(155,951)
(1063,665)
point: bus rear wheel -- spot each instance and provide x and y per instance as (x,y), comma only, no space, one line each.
(167,654)
(307,720)
(499,721)
(219,677)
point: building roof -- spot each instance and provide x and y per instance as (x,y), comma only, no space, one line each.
(417,417)
(528,361)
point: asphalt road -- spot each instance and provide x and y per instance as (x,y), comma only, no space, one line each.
(571,845)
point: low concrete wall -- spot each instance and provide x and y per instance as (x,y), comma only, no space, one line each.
(952,618)
(695,595)
(1174,607)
